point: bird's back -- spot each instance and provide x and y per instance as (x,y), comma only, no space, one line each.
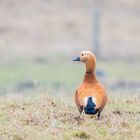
(94,90)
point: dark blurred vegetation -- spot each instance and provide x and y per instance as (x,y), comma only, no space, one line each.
(39,38)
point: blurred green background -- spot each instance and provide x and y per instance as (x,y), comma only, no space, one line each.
(39,38)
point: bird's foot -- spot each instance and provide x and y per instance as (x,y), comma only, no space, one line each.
(98,116)
(81,117)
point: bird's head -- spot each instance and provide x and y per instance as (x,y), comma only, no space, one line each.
(88,58)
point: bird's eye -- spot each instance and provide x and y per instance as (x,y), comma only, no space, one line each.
(82,54)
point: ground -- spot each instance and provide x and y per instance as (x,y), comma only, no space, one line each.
(44,118)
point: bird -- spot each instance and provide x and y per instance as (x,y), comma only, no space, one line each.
(90,96)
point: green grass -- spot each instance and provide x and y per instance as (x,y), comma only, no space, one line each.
(65,74)
(45,74)
(117,70)
(55,119)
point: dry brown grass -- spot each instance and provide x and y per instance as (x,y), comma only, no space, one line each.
(45,118)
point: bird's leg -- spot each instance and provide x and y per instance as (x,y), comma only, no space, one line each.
(99,113)
(82,114)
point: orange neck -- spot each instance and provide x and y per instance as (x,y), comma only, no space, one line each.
(90,68)
(90,77)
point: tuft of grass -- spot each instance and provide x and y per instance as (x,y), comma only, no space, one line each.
(81,135)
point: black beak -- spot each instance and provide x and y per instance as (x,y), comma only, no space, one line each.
(76,59)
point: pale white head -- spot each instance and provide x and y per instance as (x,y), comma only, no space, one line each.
(88,58)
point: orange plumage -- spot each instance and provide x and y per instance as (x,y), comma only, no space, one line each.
(90,97)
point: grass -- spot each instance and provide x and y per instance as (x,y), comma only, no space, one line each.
(49,75)
(53,75)
(45,117)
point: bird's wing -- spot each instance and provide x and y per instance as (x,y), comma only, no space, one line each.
(77,102)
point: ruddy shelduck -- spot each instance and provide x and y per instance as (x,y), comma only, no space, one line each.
(91,96)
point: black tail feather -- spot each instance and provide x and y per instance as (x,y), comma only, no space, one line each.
(90,108)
